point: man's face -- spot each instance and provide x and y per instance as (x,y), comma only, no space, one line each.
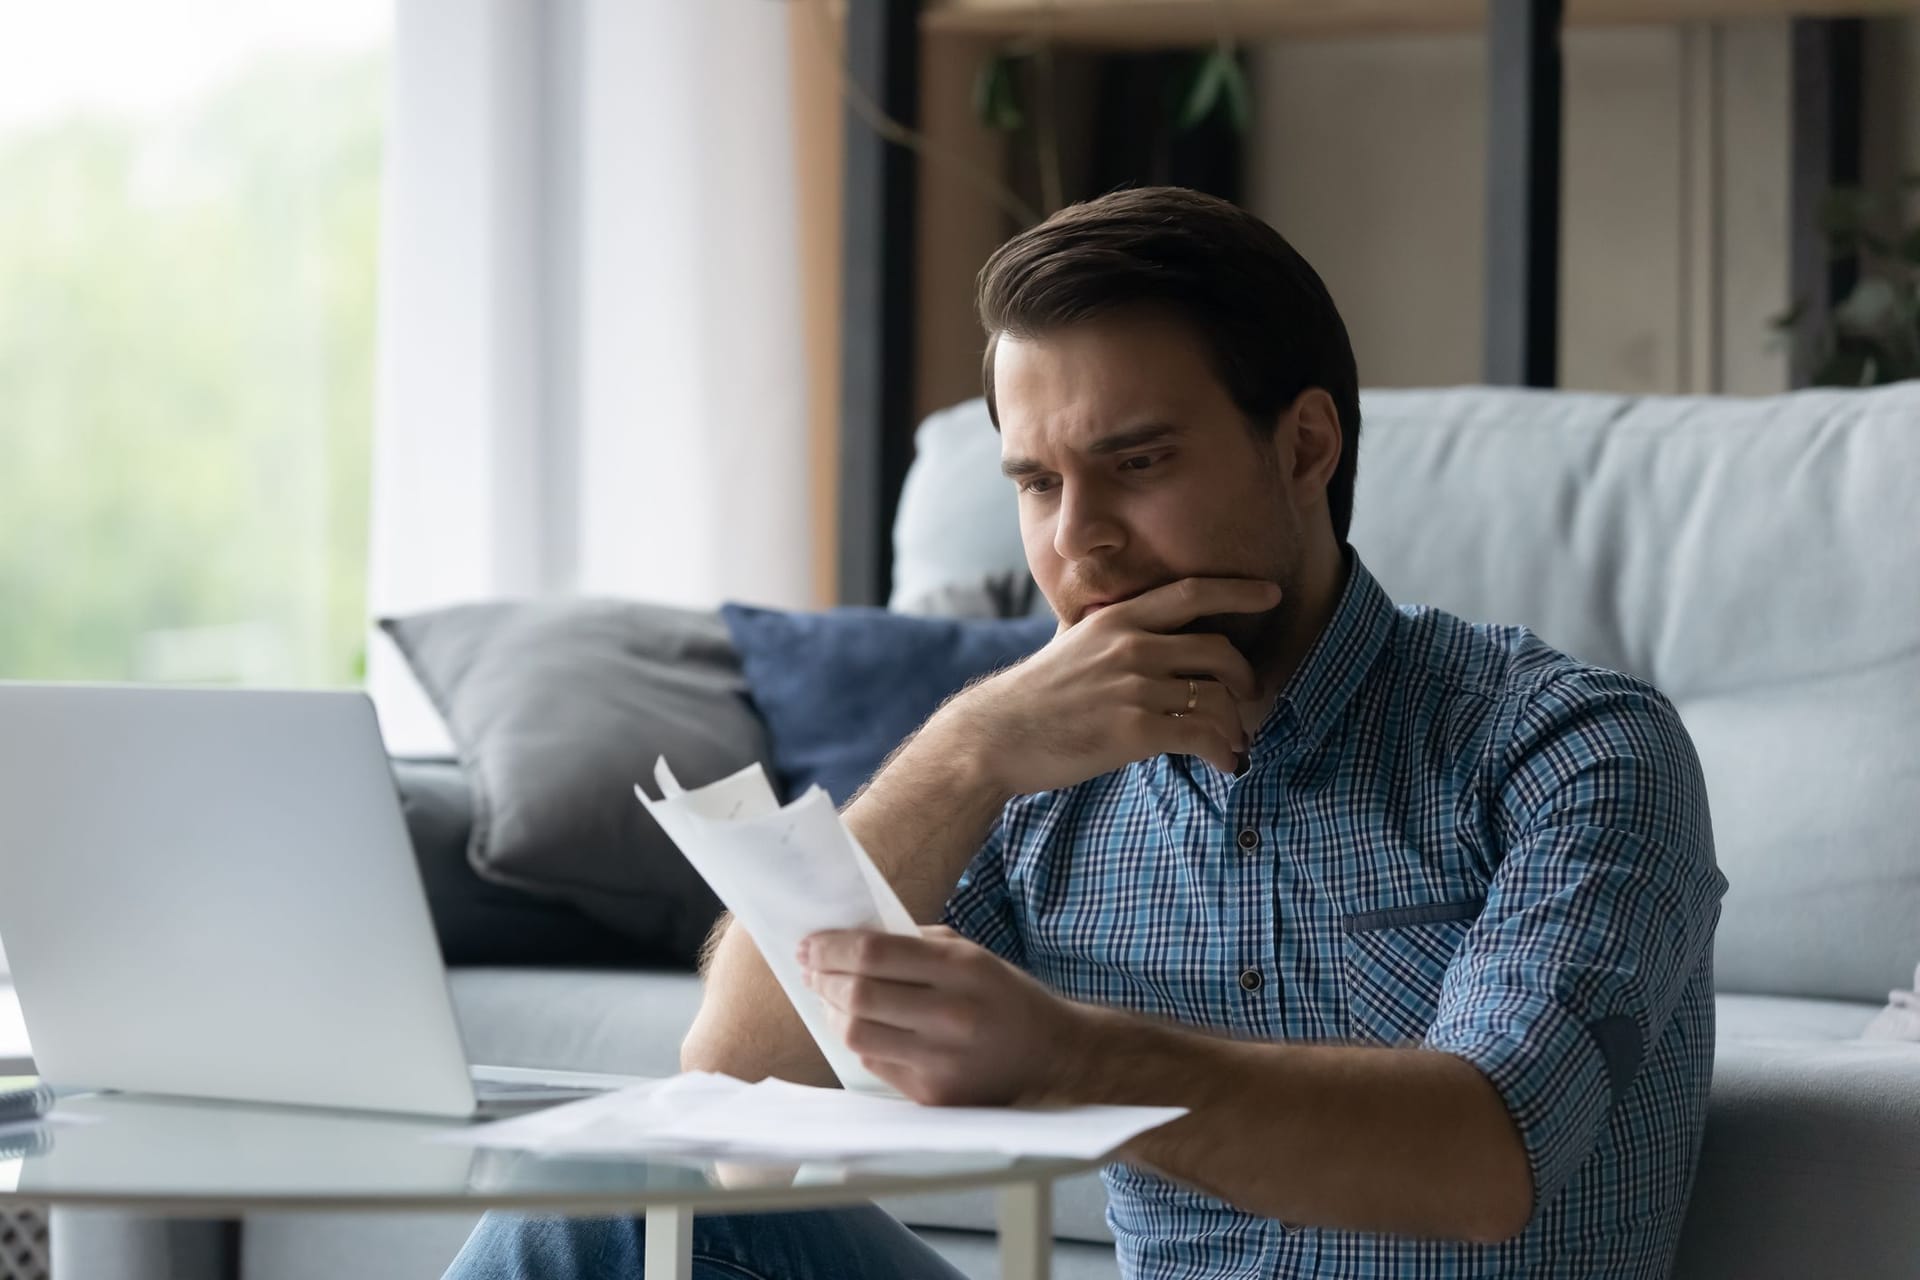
(1136,469)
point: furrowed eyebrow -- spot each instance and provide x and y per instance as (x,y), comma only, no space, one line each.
(1134,438)
(1119,442)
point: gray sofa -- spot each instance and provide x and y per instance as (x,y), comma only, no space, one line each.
(1759,560)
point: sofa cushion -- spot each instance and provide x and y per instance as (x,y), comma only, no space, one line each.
(1811,1162)
(839,690)
(959,518)
(1741,1017)
(477,921)
(558,707)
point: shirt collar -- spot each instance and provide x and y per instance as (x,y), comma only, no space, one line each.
(1334,668)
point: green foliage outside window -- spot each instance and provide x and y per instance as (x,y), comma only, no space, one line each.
(186,382)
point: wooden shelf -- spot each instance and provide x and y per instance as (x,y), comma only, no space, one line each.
(1124,24)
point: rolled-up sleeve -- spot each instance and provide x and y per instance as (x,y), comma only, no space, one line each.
(1601,909)
(982,909)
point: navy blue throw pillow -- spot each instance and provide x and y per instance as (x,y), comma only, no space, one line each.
(840,690)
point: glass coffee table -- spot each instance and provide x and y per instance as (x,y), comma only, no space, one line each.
(184,1158)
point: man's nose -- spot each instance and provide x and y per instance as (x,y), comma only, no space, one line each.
(1084,526)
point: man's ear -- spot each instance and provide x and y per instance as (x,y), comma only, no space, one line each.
(1316,439)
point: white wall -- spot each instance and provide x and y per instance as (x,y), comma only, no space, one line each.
(1372,159)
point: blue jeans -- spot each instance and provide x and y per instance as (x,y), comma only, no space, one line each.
(824,1244)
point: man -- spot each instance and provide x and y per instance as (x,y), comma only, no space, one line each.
(1414,915)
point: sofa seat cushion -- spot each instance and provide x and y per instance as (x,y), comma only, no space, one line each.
(1741,1017)
(575,1019)
(1811,1164)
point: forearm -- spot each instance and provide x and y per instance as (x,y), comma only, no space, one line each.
(746,1026)
(1401,1141)
(921,819)
(926,813)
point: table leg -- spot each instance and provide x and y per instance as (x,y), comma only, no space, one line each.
(669,1244)
(1026,1231)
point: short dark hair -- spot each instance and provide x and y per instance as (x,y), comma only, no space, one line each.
(1262,310)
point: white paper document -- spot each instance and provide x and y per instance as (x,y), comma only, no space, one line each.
(784,873)
(699,1113)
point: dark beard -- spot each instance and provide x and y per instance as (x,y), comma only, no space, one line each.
(1260,637)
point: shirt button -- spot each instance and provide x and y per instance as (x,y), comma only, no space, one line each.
(1250,979)
(1249,839)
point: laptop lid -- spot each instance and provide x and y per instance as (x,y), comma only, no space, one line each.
(212,892)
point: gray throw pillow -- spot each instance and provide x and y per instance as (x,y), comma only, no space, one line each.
(557,708)
(479,922)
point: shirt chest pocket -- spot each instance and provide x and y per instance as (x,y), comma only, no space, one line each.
(1394,962)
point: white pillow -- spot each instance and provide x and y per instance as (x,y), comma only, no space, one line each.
(959,518)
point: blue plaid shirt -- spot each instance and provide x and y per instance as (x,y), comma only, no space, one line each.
(1449,835)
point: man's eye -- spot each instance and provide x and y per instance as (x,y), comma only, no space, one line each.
(1140,463)
(1039,484)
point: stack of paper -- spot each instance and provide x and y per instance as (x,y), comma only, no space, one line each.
(706,1114)
(784,873)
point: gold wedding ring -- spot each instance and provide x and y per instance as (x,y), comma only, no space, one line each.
(1193,694)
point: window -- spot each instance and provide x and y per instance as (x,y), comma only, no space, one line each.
(189,208)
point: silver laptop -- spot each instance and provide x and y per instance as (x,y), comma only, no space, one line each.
(212,893)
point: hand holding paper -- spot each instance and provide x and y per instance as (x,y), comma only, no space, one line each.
(784,873)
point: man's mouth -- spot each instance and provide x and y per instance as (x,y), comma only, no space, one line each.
(1095,605)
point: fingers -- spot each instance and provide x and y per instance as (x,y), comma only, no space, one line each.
(862,1007)
(1178,603)
(1212,706)
(1206,738)
(1211,728)
(876,1042)
(1160,657)
(891,1004)
(1202,655)
(877,955)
